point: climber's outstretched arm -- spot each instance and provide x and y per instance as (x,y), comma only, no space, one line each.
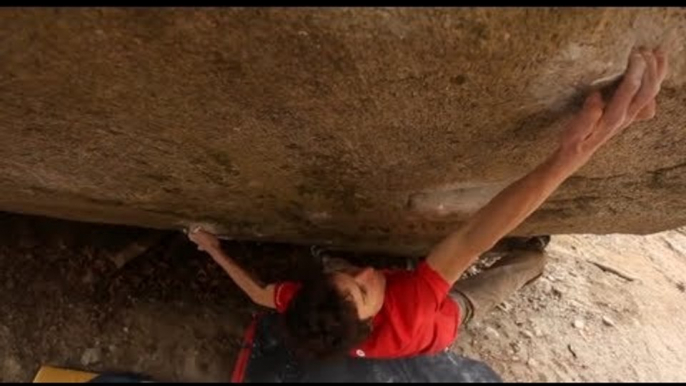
(592,127)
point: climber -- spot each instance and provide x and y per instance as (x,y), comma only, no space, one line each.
(365,312)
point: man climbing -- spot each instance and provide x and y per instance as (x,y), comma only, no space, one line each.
(369,313)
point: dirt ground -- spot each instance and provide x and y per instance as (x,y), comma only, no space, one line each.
(74,296)
(580,322)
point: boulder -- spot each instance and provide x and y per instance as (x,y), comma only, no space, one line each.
(365,128)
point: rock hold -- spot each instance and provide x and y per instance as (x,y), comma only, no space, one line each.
(608,322)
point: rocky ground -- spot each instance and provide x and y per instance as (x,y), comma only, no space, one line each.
(609,308)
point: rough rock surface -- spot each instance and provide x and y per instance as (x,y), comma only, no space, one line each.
(372,128)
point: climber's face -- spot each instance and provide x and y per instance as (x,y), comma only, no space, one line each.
(366,287)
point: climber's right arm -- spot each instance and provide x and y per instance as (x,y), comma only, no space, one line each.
(593,126)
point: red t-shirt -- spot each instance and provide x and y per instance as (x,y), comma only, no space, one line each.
(417,316)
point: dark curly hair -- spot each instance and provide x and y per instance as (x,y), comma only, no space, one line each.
(321,322)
